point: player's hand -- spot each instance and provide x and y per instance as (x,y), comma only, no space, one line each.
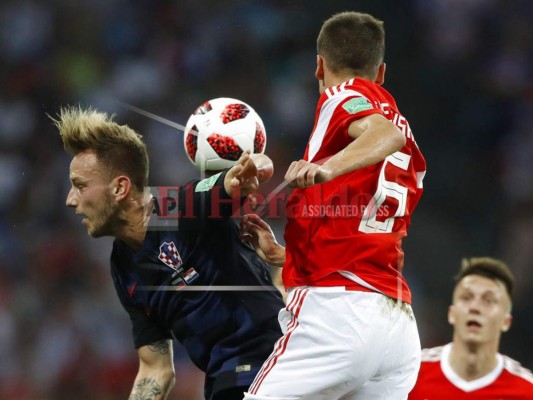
(243,176)
(246,175)
(302,174)
(257,232)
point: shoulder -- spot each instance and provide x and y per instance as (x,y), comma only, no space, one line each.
(517,370)
(433,354)
(347,100)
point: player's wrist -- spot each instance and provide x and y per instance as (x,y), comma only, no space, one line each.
(326,173)
(277,256)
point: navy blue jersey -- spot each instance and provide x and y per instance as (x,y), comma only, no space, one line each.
(227,333)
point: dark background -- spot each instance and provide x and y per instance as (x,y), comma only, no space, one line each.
(460,71)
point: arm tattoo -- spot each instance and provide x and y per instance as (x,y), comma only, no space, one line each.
(145,389)
(160,347)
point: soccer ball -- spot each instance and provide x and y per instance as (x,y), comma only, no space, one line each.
(220,130)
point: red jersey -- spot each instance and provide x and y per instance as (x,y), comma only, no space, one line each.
(438,381)
(355,223)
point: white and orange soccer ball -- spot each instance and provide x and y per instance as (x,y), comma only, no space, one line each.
(220,130)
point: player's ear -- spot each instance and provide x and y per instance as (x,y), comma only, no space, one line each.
(380,78)
(121,186)
(451,316)
(507,323)
(319,73)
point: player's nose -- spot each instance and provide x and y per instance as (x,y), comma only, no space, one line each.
(475,306)
(71,200)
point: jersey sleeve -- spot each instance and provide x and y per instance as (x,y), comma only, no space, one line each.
(145,330)
(354,108)
(336,110)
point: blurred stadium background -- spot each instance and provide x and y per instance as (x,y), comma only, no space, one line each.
(461,71)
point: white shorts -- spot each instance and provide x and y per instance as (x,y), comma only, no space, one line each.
(341,344)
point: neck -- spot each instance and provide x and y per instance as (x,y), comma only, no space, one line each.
(336,80)
(135,219)
(472,362)
(331,80)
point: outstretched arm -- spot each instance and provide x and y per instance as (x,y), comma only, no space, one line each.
(260,235)
(375,139)
(155,378)
(250,171)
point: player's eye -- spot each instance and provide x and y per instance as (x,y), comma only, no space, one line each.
(465,296)
(490,300)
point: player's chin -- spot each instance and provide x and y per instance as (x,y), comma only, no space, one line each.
(97,231)
(94,233)
(473,338)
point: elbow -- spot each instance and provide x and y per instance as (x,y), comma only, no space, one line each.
(171,382)
(399,141)
(168,376)
(168,380)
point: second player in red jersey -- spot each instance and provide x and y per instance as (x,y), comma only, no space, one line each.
(438,381)
(470,367)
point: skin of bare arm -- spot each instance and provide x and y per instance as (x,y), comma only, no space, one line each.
(155,378)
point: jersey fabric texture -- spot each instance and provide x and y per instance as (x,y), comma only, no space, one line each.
(355,223)
(438,381)
(227,334)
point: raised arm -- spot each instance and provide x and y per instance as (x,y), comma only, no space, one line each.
(155,378)
(375,139)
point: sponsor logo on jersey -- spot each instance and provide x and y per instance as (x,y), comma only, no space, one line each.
(168,254)
(356,105)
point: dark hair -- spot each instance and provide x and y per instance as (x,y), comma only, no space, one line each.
(118,147)
(489,268)
(352,41)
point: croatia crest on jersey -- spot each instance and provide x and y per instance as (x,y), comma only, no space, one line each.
(168,254)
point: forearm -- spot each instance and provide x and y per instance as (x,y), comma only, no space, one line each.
(152,385)
(368,149)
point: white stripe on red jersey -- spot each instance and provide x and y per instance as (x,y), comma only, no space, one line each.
(326,113)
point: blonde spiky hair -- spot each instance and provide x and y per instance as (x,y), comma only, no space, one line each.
(118,147)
